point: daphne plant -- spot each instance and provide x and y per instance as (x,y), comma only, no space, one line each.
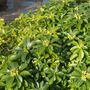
(48,49)
(80,78)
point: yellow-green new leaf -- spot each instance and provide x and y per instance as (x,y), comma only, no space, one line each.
(81,54)
(73,56)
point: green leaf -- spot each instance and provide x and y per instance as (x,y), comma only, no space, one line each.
(2,84)
(23,66)
(9,82)
(74,47)
(83,87)
(12,57)
(81,54)
(19,81)
(88,84)
(5,77)
(59,78)
(75,43)
(88,69)
(76,74)
(80,82)
(51,80)
(25,73)
(20,78)
(73,56)
(22,88)
(26,83)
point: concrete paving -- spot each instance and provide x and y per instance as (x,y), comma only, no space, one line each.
(20,6)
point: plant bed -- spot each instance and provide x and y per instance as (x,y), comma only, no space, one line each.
(48,49)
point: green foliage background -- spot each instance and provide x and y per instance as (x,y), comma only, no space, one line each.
(48,49)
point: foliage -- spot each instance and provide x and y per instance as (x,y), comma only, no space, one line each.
(48,49)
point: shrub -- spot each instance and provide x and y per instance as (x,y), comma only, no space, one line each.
(48,49)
